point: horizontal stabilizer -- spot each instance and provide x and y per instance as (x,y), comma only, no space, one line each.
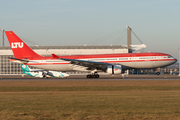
(21,60)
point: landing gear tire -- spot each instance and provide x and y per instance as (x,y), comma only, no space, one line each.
(158,73)
(93,76)
(44,76)
(96,76)
(89,76)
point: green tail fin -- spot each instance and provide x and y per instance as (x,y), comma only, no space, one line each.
(25,68)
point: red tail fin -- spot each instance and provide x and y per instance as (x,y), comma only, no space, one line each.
(19,48)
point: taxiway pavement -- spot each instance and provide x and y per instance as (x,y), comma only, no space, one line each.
(83,78)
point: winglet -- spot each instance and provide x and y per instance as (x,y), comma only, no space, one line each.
(55,56)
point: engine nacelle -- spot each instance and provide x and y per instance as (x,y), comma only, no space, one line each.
(114,69)
(41,74)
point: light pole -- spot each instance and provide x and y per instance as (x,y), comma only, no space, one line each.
(179,62)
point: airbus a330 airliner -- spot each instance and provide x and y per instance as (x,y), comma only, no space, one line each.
(109,63)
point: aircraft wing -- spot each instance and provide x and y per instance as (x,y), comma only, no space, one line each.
(84,63)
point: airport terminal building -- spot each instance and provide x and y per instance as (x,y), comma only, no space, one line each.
(10,68)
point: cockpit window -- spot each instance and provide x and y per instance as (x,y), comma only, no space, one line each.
(169,56)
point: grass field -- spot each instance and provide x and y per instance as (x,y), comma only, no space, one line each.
(90,100)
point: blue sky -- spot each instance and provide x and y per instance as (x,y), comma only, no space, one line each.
(79,22)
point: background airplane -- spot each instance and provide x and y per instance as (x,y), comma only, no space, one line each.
(109,63)
(42,73)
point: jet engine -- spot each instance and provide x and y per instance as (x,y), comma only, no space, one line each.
(114,69)
(42,74)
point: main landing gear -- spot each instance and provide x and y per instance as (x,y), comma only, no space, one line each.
(43,76)
(92,76)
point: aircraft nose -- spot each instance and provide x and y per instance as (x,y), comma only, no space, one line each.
(66,75)
(174,60)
